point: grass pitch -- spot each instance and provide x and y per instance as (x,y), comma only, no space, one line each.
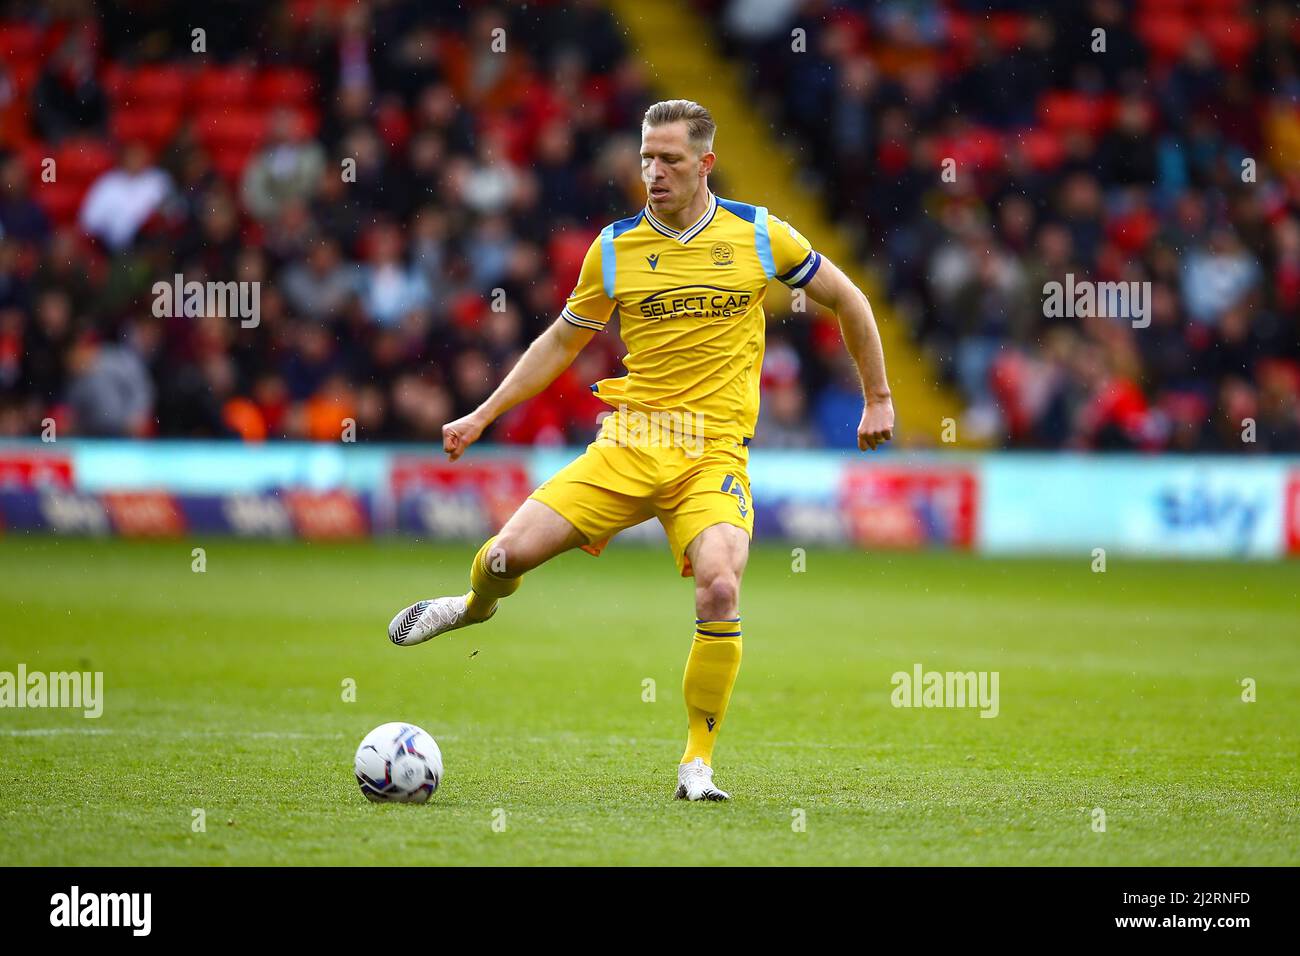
(224,692)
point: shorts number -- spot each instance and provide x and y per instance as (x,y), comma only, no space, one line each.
(733,487)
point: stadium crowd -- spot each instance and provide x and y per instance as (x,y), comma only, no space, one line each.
(407,198)
(1162,150)
(414,203)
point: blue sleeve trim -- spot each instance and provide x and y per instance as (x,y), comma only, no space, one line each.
(744,210)
(623,225)
(798,277)
(608,265)
(787,276)
(812,271)
(763,242)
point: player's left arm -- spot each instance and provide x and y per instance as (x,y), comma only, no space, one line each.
(831,288)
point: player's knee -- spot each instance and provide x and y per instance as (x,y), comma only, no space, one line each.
(508,556)
(717,597)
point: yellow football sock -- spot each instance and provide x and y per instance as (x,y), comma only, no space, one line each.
(486,586)
(711,672)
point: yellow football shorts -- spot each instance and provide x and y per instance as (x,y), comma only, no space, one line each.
(616,484)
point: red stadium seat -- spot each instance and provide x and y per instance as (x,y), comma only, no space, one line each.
(21,42)
(975,149)
(152,125)
(33,153)
(1060,110)
(1232,38)
(394,126)
(1008,29)
(60,200)
(224,86)
(303,11)
(231,129)
(1042,149)
(114,77)
(229,162)
(1133,231)
(15,131)
(58,30)
(1221,7)
(961,30)
(565,253)
(308,11)
(1166,36)
(156,84)
(83,160)
(307,120)
(284,87)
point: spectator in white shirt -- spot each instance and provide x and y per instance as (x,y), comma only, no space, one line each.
(1217,276)
(389,287)
(123,199)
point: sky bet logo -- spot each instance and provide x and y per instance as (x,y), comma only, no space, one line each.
(1228,514)
(697,302)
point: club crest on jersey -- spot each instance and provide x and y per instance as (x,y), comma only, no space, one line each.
(722,254)
(653,260)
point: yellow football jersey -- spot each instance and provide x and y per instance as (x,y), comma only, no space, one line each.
(690,307)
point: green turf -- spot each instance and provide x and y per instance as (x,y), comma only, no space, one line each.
(223,692)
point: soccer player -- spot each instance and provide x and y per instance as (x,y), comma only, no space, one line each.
(687,276)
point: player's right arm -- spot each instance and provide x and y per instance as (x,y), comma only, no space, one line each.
(587,310)
(799,267)
(548,356)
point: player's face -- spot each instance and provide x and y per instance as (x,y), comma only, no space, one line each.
(671,168)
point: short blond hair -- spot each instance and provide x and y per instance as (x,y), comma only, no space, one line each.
(699,121)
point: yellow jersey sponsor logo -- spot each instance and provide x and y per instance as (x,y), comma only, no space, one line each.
(700,301)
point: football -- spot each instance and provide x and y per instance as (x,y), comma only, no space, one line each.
(398,763)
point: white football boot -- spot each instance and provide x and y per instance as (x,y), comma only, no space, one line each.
(695,782)
(426,619)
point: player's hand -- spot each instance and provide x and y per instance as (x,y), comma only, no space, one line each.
(460,434)
(877,425)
